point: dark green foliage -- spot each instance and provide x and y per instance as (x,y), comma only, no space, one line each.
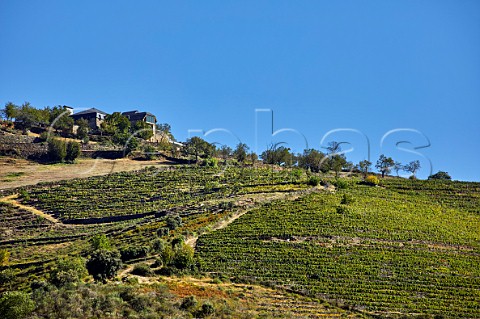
(57,150)
(7,276)
(177,241)
(100,242)
(26,116)
(143,130)
(336,163)
(385,164)
(278,156)
(16,305)
(163,231)
(149,152)
(60,119)
(199,147)
(115,123)
(224,152)
(210,162)
(183,257)
(72,151)
(189,303)
(133,252)
(174,221)
(313,160)
(105,301)
(206,310)
(440,175)
(10,110)
(158,245)
(314,180)
(68,270)
(340,183)
(167,255)
(142,269)
(104,264)
(158,263)
(240,152)
(364,167)
(83,128)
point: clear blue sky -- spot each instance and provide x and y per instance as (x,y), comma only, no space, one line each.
(369,66)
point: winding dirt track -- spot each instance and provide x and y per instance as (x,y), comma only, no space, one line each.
(12,201)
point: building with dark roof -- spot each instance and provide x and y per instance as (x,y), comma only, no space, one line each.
(149,118)
(94,116)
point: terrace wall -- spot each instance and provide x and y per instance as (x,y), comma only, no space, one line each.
(22,146)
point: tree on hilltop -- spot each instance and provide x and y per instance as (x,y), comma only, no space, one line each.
(364,167)
(412,167)
(440,175)
(240,152)
(384,164)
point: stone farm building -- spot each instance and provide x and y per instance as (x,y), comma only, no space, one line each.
(95,117)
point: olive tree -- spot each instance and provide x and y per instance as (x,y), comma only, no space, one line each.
(384,164)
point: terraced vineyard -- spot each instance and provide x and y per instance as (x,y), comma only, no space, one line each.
(399,249)
(128,207)
(149,191)
(408,247)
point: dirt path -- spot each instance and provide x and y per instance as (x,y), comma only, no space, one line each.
(12,201)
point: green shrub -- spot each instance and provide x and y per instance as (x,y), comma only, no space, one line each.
(44,136)
(188,303)
(174,221)
(16,305)
(440,175)
(210,162)
(72,151)
(7,276)
(163,231)
(177,241)
(158,245)
(158,263)
(100,242)
(296,174)
(183,257)
(57,150)
(142,270)
(167,255)
(104,264)
(340,184)
(313,181)
(130,253)
(68,271)
(150,152)
(207,309)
